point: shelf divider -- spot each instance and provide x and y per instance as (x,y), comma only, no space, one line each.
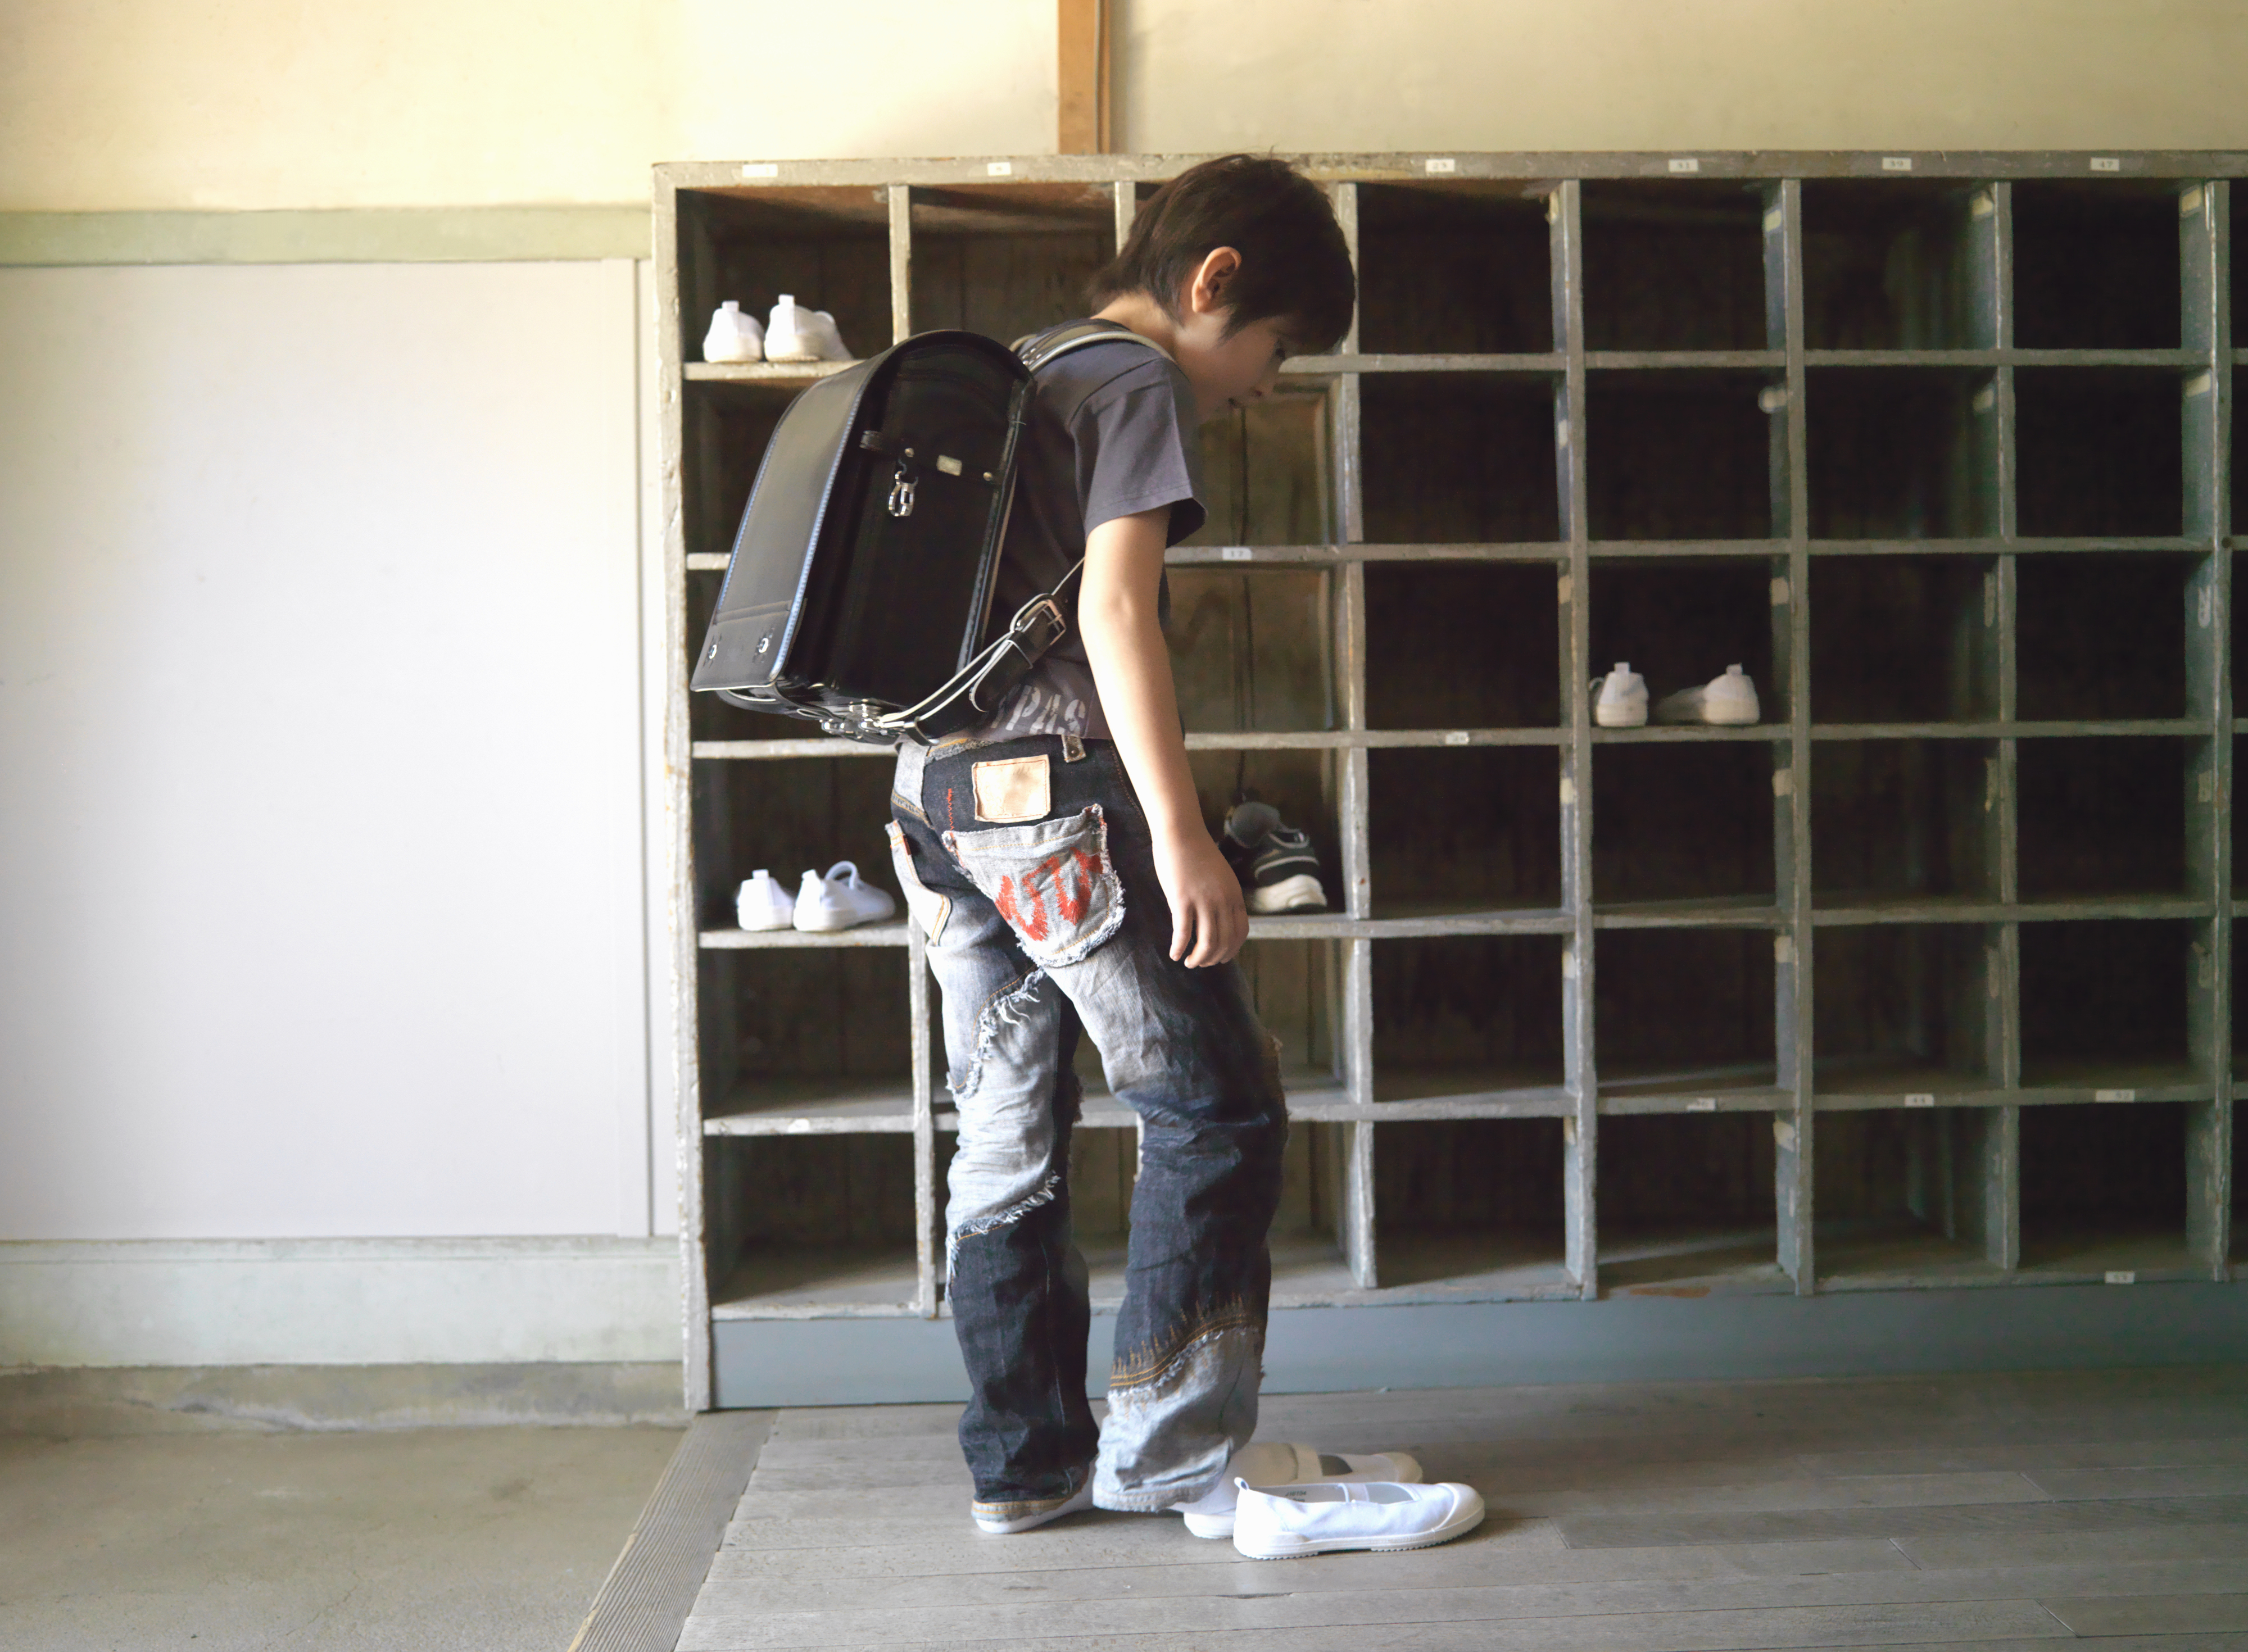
(900,203)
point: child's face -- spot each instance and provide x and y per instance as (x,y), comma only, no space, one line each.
(1226,372)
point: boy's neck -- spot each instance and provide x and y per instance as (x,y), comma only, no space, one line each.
(1145,317)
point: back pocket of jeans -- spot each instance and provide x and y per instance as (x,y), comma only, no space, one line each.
(1051,882)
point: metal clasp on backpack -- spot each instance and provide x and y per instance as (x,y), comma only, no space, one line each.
(903,485)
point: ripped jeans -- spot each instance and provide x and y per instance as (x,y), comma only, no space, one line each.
(1030,867)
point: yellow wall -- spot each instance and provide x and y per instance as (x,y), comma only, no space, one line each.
(109,104)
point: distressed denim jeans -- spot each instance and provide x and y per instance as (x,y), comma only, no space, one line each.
(1029,865)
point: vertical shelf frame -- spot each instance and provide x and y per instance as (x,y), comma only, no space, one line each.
(1580,1128)
(2205,260)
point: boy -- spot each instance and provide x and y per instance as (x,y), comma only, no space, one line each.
(1058,860)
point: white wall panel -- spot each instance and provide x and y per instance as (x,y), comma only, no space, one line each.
(321,868)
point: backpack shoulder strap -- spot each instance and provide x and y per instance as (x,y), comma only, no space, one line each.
(1035,349)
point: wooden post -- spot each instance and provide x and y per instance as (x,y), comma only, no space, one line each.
(1082,76)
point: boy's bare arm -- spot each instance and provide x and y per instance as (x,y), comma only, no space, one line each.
(1132,669)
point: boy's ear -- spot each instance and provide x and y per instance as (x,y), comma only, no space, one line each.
(1209,288)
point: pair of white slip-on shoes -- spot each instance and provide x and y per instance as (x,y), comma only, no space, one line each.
(1276,1463)
(839,901)
(791,333)
(1620,701)
(1281,1522)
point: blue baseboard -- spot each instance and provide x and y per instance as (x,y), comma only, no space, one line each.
(768,1362)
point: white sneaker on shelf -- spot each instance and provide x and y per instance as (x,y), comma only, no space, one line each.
(733,336)
(761,903)
(793,333)
(1729,700)
(1277,1463)
(839,901)
(1281,1522)
(1620,699)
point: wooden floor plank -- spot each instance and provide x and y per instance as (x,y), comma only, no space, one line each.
(2191,1451)
(1627,1531)
(1951,1550)
(2210,1480)
(2152,1614)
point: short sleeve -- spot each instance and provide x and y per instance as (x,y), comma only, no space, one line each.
(1137,451)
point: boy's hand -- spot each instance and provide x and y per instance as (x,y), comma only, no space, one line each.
(1208,919)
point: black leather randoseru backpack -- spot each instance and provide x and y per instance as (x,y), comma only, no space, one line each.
(859,593)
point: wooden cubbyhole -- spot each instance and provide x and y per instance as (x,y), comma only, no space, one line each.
(823,1033)
(2103,1005)
(1904,639)
(2096,264)
(2101,818)
(1460,1016)
(1901,453)
(1685,1020)
(2101,452)
(828,247)
(2102,637)
(1454,269)
(1901,823)
(787,815)
(1890,264)
(1674,266)
(1682,824)
(1687,1206)
(1252,651)
(1459,458)
(1904,1015)
(1680,455)
(798,1224)
(1451,647)
(1457,832)
(1472,1207)
(1679,622)
(1267,474)
(1904,1197)
(1006,259)
(2104,1189)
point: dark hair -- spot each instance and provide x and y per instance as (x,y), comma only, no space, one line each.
(1293,262)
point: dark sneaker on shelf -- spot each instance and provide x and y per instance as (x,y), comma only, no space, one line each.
(1278,870)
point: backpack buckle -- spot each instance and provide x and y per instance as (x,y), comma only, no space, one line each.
(902,485)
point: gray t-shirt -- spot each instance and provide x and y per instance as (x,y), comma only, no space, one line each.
(1111,433)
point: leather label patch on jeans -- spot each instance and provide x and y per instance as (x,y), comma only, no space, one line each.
(1011,789)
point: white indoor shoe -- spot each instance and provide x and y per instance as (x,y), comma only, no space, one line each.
(839,901)
(1285,1521)
(1729,700)
(1277,1463)
(733,336)
(793,333)
(1620,699)
(761,903)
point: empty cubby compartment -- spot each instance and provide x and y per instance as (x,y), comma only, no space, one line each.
(1687,1202)
(1896,821)
(1904,639)
(1266,478)
(1252,650)
(1899,453)
(1300,784)
(2103,1187)
(828,247)
(1904,1010)
(2103,1003)
(1682,822)
(1471,1202)
(1006,259)
(1450,646)
(1674,266)
(724,429)
(1453,269)
(1903,1196)
(2101,452)
(801,1022)
(788,815)
(2096,265)
(1680,456)
(1459,458)
(2101,637)
(1457,1015)
(1684,1009)
(793,1222)
(1893,264)
(2101,817)
(1464,831)
(1679,622)
(1293,985)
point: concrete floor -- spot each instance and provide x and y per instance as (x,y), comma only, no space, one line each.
(442,1539)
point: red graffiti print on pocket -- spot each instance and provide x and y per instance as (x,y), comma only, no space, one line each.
(1025,908)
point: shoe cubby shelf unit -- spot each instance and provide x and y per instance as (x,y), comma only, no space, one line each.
(1925,980)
